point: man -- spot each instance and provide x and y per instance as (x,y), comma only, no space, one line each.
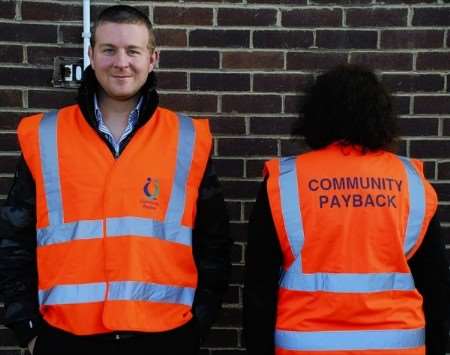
(345,253)
(114,236)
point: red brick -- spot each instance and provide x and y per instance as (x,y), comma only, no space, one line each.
(183,16)
(8,164)
(284,2)
(340,2)
(384,61)
(172,80)
(273,125)
(251,103)
(253,60)
(246,17)
(219,38)
(189,59)
(283,39)
(234,210)
(11,54)
(71,34)
(220,82)
(447,127)
(401,104)
(28,33)
(432,104)
(189,103)
(10,98)
(227,125)
(246,147)
(376,17)
(281,82)
(433,61)
(437,148)
(170,37)
(26,76)
(10,120)
(314,61)
(229,167)
(312,18)
(443,191)
(443,213)
(240,189)
(254,168)
(45,55)
(44,99)
(293,103)
(411,39)
(444,171)
(51,11)
(418,126)
(413,83)
(8,142)
(436,16)
(8,9)
(346,39)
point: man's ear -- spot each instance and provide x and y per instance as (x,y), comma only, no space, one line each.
(91,57)
(154,58)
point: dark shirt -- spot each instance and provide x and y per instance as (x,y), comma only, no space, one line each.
(264,258)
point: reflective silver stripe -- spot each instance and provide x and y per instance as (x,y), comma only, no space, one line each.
(350,340)
(48,145)
(69,231)
(73,294)
(350,283)
(185,149)
(145,227)
(416,206)
(151,292)
(290,205)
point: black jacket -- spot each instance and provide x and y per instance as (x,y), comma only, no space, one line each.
(18,273)
(429,268)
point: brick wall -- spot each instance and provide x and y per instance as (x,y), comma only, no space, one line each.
(244,63)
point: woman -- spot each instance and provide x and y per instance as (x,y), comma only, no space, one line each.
(353,229)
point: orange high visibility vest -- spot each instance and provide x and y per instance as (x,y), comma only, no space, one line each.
(347,223)
(114,235)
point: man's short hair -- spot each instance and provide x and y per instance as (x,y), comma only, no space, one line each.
(124,14)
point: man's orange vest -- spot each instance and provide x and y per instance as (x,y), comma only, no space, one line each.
(114,235)
(347,223)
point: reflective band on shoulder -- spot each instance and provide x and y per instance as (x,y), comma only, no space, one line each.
(185,148)
(347,283)
(73,294)
(416,206)
(48,145)
(350,340)
(69,231)
(290,205)
(143,227)
(139,291)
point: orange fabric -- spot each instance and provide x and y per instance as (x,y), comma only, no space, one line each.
(96,186)
(341,238)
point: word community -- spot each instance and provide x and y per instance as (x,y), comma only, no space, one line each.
(356,191)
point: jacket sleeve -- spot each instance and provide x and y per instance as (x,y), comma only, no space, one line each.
(429,267)
(263,265)
(211,248)
(18,271)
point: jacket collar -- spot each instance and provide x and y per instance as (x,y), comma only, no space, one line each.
(89,86)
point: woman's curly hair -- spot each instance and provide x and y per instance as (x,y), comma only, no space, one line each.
(349,105)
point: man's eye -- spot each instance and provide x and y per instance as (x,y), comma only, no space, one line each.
(108,51)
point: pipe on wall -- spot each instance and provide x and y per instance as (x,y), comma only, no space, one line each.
(86,31)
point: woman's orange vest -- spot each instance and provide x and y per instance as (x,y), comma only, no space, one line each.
(347,223)
(114,235)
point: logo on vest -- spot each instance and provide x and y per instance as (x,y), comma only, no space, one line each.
(151,193)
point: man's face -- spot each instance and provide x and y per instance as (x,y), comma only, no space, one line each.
(121,58)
